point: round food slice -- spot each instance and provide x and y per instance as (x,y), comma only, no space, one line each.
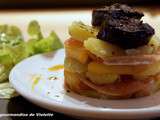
(102,79)
(75,49)
(73,65)
(122,88)
(102,49)
(81,32)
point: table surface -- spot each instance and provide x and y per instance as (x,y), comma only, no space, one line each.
(45,17)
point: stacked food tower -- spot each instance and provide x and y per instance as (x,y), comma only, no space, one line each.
(117,57)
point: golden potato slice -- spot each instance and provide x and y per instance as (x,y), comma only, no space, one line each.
(102,79)
(81,32)
(72,80)
(148,70)
(154,43)
(136,70)
(100,68)
(75,49)
(102,49)
(73,65)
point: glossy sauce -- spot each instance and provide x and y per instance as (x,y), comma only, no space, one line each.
(56,67)
(36,79)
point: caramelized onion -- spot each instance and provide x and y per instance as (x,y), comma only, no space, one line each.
(122,88)
(132,60)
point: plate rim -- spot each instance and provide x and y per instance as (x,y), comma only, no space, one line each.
(58,107)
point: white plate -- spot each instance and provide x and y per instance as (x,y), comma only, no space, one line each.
(50,94)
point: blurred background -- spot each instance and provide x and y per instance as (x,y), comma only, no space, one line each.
(68,3)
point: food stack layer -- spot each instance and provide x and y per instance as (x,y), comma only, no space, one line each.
(117,57)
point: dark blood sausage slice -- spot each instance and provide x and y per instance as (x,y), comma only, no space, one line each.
(120,11)
(99,15)
(126,33)
(117,11)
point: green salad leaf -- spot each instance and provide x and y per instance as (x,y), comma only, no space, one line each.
(10,35)
(52,42)
(6,91)
(13,49)
(34,30)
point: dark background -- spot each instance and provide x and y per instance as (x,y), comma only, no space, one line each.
(20,105)
(68,3)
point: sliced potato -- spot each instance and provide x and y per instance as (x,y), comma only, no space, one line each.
(157,82)
(79,54)
(151,69)
(100,68)
(138,71)
(73,65)
(102,49)
(81,32)
(72,80)
(102,79)
(154,43)
(75,49)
